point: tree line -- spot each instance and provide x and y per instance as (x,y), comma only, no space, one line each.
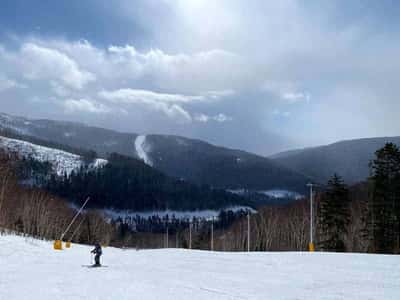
(128,183)
(362,218)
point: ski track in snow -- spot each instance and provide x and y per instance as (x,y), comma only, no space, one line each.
(31,269)
(140,143)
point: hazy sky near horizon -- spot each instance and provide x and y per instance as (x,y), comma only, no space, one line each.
(262,76)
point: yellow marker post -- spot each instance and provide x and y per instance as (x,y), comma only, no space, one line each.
(311,247)
(57,245)
(68,244)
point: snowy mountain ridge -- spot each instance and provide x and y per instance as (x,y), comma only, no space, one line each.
(191,159)
(62,162)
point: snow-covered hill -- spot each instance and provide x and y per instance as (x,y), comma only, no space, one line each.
(61,161)
(31,269)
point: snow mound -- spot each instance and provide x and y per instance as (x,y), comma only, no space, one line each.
(31,269)
(141,149)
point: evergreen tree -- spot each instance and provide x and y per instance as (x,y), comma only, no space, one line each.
(334,215)
(384,203)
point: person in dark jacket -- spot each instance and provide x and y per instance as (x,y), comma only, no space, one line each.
(97,253)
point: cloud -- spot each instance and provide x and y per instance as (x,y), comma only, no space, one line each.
(176,112)
(220,94)
(286,90)
(203,118)
(166,103)
(222,118)
(144,96)
(169,104)
(42,63)
(6,83)
(215,70)
(85,105)
(278,113)
(294,97)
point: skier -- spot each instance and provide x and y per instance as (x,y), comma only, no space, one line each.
(97,251)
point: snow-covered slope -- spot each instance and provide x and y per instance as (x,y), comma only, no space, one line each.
(61,161)
(141,149)
(31,269)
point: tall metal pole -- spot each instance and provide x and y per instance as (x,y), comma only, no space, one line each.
(212,234)
(190,235)
(167,237)
(311,246)
(74,218)
(248,231)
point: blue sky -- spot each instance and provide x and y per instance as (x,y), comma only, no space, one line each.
(262,76)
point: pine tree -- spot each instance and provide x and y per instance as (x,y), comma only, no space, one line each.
(334,215)
(384,203)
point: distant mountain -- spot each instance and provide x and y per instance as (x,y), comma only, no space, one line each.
(350,159)
(187,159)
(120,182)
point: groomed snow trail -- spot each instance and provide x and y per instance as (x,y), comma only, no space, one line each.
(31,269)
(140,143)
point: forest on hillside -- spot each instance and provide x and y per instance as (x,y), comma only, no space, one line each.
(360,218)
(126,183)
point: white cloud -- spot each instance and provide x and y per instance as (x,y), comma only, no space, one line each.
(166,103)
(286,90)
(222,118)
(212,69)
(201,118)
(42,63)
(294,97)
(145,96)
(218,118)
(176,112)
(85,105)
(169,104)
